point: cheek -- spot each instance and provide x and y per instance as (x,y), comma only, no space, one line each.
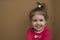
(43,23)
(33,23)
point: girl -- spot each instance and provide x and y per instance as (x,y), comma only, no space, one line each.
(39,30)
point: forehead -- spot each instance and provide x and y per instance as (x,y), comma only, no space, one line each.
(38,16)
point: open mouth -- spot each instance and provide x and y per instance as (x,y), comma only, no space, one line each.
(38,26)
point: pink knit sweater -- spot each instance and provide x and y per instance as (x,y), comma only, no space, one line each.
(45,35)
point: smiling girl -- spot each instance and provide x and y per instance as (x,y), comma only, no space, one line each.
(38,18)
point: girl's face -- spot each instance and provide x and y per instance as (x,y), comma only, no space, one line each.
(38,22)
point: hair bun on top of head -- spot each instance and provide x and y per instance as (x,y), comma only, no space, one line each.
(40,5)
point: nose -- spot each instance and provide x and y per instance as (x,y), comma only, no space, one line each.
(38,22)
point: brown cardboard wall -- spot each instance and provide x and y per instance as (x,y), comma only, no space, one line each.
(14,20)
(56,12)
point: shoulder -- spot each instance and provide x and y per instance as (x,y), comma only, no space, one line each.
(29,34)
(47,29)
(30,30)
(47,33)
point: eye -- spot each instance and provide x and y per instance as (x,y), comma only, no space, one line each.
(41,20)
(34,20)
